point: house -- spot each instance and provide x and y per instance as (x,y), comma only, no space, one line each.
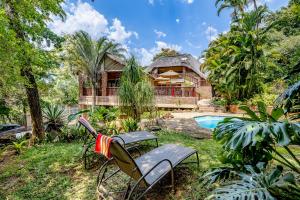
(177,80)
(107,86)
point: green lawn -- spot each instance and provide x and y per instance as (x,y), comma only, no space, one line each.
(54,171)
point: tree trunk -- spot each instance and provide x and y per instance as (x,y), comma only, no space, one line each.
(94,93)
(26,71)
(255,4)
(34,105)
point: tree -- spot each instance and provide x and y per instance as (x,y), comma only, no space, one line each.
(25,22)
(87,56)
(164,52)
(135,93)
(236,61)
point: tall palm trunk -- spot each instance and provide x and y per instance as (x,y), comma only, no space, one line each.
(94,93)
(26,71)
(255,4)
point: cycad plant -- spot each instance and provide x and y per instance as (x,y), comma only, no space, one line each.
(54,117)
(135,93)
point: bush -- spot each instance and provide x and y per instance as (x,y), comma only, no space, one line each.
(129,125)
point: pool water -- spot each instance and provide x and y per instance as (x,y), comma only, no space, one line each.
(209,122)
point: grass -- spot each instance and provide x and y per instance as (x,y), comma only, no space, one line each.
(55,171)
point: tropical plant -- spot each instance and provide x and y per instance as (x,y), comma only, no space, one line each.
(87,56)
(130,125)
(19,146)
(257,183)
(54,116)
(290,101)
(135,93)
(254,138)
(236,60)
(165,52)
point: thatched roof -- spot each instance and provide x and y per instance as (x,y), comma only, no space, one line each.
(113,63)
(185,60)
(169,73)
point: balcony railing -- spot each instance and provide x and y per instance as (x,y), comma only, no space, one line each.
(112,91)
(175,91)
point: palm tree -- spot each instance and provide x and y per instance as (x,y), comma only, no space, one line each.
(88,57)
(237,5)
(135,93)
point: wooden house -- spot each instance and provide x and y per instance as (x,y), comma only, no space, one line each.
(177,81)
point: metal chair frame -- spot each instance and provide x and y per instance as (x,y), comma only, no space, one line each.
(130,192)
(87,144)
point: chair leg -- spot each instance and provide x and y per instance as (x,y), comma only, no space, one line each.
(198,160)
(156,142)
(172,181)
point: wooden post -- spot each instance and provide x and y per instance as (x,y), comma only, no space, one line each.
(104,83)
(80,81)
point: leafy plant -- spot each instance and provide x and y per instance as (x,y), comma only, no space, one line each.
(54,116)
(253,139)
(290,100)
(135,93)
(258,185)
(130,125)
(19,146)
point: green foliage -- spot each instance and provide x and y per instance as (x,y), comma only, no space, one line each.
(290,100)
(165,52)
(252,139)
(236,60)
(258,185)
(135,93)
(54,116)
(19,146)
(129,125)
(104,114)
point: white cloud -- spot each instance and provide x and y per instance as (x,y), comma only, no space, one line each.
(82,16)
(177,21)
(151,2)
(203,23)
(188,1)
(160,33)
(118,32)
(145,55)
(211,33)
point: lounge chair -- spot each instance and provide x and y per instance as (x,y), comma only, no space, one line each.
(148,169)
(126,139)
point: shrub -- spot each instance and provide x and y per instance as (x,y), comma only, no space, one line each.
(129,125)
(19,146)
(54,116)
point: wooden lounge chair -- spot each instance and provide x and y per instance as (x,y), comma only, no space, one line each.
(127,139)
(148,169)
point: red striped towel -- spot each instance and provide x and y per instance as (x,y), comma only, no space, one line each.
(102,145)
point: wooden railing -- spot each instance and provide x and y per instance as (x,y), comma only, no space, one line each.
(175,91)
(112,91)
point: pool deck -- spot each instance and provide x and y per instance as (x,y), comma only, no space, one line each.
(184,122)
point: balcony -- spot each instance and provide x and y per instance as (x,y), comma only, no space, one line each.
(175,91)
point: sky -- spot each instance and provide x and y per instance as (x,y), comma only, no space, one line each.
(143,27)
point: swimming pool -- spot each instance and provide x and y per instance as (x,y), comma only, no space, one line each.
(209,122)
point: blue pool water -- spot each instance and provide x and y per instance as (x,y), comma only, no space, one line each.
(209,122)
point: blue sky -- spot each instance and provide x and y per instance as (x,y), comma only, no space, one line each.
(145,26)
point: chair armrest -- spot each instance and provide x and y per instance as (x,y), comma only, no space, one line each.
(116,136)
(156,165)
